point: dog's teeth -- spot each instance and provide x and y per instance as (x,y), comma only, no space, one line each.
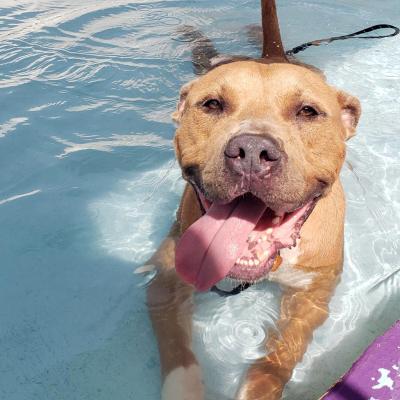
(251,263)
(238,261)
(256,262)
(275,221)
(263,238)
(245,263)
(266,253)
(269,231)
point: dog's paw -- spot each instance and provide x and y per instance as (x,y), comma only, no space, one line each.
(183,384)
(260,386)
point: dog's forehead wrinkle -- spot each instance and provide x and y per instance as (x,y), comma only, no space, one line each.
(257,70)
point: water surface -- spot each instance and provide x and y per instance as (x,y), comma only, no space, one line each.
(89,186)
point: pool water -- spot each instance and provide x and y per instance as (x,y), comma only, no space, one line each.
(89,187)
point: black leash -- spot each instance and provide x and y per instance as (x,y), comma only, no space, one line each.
(354,35)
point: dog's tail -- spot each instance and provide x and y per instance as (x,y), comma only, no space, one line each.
(272,41)
(205,56)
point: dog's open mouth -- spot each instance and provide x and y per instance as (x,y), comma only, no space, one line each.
(240,240)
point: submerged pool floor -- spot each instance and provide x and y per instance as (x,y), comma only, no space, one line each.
(89,186)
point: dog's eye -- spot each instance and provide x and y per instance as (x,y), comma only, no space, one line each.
(213,105)
(307,111)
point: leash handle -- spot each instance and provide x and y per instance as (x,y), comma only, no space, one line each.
(354,35)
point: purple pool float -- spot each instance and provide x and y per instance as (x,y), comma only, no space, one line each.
(375,375)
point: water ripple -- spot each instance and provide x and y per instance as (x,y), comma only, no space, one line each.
(136,140)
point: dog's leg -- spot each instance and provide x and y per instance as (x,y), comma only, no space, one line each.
(201,46)
(170,305)
(302,311)
(254,35)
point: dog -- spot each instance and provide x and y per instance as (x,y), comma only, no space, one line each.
(261,143)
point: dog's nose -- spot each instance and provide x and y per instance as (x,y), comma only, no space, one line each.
(250,153)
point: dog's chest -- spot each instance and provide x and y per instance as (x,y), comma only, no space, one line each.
(287,274)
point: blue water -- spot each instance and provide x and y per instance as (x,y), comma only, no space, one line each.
(89,186)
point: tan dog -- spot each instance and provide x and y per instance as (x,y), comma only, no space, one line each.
(261,144)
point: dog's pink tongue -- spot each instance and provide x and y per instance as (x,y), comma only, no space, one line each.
(209,248)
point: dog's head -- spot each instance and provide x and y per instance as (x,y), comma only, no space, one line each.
(261,143)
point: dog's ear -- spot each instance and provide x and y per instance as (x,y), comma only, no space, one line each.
(185,89)
(350,112)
